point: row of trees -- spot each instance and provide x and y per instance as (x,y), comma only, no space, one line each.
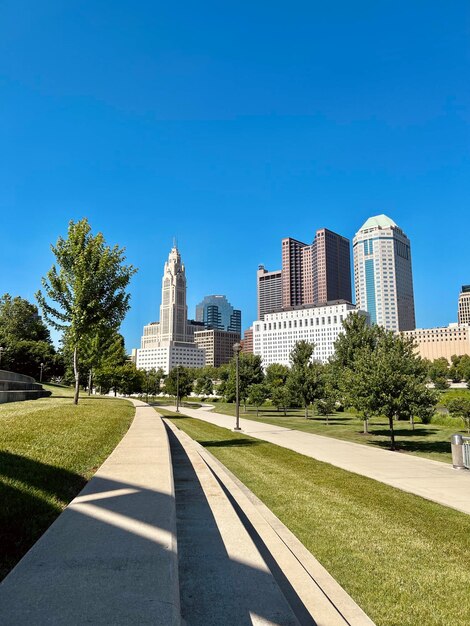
(440,371)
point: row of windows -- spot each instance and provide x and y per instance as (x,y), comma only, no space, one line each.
(301,323)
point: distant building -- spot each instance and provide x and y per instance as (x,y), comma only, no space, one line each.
(464,305)
(217,312)
(276,335)
(434,343)
(269,288)
(247,341)
(217,345)
(169,342)
(383,277)
(316,273)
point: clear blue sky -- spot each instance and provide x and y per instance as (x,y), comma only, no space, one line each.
(231,125)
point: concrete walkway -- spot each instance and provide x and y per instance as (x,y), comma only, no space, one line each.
(432,480)
(110,557)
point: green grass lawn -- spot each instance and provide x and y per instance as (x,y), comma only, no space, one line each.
(49,448)
(405,560)
(427,440)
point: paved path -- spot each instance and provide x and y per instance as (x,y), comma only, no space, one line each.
(110,557)
(432,480)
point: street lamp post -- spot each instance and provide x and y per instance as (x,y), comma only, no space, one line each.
(1,352)
(177,389)
(237,349)
(40,373)
(147,373)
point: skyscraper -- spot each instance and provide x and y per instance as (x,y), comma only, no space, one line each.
(383,278)
(316,273)
(269,287)
(464,305)
(169,342)
(216,312)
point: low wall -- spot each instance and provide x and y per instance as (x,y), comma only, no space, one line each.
(18,387)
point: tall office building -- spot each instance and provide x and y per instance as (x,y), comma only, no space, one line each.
(169,342)
(316,273)
(269,287)
(216,312)
(331,267)
(463,316)
(383,277)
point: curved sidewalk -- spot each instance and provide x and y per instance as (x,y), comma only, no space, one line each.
(429,479)
(110,557)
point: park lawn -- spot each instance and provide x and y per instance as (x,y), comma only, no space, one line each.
(49,449)
(404,559)
(431,441)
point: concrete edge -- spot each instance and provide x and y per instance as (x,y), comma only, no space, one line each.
(320,593)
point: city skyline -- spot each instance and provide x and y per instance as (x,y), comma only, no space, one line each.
(232,133)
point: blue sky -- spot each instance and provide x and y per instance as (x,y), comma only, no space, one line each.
(231,125)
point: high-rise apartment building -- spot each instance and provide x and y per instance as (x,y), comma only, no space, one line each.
(217,345)
(292,272)
(169,342)
(269,287)
(216,312)
(383,277)
(463,316)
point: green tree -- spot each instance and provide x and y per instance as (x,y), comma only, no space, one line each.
(305,380)
(438,371)
(250,373)
(130,379)
(460,407)
(87,287)
(464,368)
(25,339)
(257,394)
(276,375)
(179,382)
(281,398)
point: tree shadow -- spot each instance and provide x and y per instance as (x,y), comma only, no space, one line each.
(439,447)
(404,432)
(230,443)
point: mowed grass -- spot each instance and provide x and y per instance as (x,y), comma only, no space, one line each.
(49,448)
(431,441)
(405,560)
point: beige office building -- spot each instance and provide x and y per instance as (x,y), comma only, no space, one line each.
(434,343)
(464,305)
(217,345)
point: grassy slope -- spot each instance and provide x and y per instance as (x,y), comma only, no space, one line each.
(405,560)
(427,440)
(49,448)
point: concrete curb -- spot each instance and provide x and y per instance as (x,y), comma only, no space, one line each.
(315,592)
(111,556)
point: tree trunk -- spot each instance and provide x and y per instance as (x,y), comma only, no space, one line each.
(306,412)
(77,375)
(366,426)
(392,434)
(257,411)
(285,412)
(412,422)
(90,381)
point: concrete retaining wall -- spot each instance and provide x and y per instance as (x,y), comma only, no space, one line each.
(18,387)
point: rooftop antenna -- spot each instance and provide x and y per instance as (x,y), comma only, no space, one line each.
(175,243)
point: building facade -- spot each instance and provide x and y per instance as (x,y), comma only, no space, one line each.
(463,316)
(383,278)
(276,335)
(247,341)
(434,343)
(217,345)
(169,342)
(269,288)
(217,312)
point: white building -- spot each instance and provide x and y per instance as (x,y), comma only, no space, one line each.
(464,305)
(169,342)
(383,277)
(276,335)
(444,341)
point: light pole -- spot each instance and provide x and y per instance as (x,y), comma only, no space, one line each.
(237,349)
(1,352)
(40,373)
(177,388)
(147,373)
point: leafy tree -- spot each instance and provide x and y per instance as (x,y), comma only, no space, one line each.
(250,373)
(131,380)
(204,385)
(281,398)
(24,338)
(464,369)
(460,407)
(257,394)
(179,382)
(88,288)
(305,379)
(276,375)
(438,371)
